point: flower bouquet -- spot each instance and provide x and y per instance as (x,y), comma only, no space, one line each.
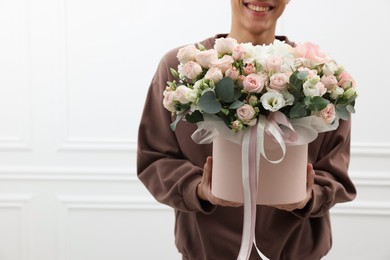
(292,93)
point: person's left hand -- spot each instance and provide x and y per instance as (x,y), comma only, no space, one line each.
(309,189)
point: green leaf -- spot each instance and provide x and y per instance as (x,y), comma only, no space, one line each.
(295,82)
(342,112)
(350,108)
(209,103)
(225,90)
(174,73)
(194,117)
(298,111)
(236,104)
(178,118)
(316,103)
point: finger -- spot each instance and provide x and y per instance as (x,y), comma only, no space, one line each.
(310,175)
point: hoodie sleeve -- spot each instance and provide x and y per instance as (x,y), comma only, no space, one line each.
(330,155)
(169,175)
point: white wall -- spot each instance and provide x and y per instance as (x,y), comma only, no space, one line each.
(73,78)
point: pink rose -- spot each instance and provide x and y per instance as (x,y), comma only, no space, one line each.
(238,52)
(273,64)
(237,125)
(253,83)
(206,58)
(249,69)
(328,113)
(329,81)
(224,63)
(180,94)
(246,114)
(312,52)
(214,74)
(225,45)
(168,101)
(278,81)
(187,53)
(191,69)
(232,73)
(346,80)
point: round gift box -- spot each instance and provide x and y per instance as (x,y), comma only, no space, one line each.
(279,183)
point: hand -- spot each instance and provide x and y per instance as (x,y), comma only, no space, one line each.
(204,187)
(309,188)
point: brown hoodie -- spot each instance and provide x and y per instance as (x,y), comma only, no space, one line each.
(170,165)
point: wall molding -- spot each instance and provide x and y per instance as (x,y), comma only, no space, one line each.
(35,173)
(22,203)
(370,149)
(362,208)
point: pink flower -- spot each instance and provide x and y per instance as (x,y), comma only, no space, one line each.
(328,113)
(238,52)
(206,58)
(168,101)
(249,69)
(214,74)
(187,53)
(329,81)
(278,81)
(254,83)
(181,94)
(273,64)
(246,114)
(346,80)
(191,69)
(224,63)
(312,52)
(232,73)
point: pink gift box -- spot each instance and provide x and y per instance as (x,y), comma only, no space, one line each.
(281,183)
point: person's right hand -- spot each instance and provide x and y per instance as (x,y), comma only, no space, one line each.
(204,187)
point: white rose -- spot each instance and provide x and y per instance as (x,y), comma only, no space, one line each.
(225,45)
(272,100)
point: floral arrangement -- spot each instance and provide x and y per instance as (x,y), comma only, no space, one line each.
(240,82)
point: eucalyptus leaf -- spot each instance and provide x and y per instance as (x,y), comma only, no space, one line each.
(298,111)
(302,75)
(194,117)
(295,82)
(350,109)
(342,112)
(178,118)
(225,90)
(209,103)
(316,103)
(236,104)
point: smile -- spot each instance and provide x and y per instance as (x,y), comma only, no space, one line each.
(260,9)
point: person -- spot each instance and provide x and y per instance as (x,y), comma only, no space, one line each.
(177,171)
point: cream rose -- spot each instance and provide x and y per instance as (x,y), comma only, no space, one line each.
(273,64)
(206,58)
(181,94)
(187,53)
(278,81)
(328,113)
(238,52)
(168,101)
(224,63)
(191,69)
(225,45)
(214,74)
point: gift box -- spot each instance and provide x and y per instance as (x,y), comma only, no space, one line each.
(277,183)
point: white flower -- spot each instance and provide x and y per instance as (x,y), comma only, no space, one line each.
(336,92)
(180,94)
(272,100)
(187,53)
(330,68)
(191,95)
(214,74)
(288,98)
(314,87)
(225,45)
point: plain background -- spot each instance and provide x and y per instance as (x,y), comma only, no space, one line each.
(73,80)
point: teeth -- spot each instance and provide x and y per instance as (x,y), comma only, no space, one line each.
(259,8)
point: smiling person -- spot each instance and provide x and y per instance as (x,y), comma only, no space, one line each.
(177,171)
